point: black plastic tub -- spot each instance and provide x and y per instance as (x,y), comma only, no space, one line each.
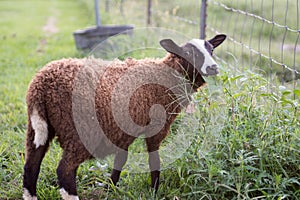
(88,38)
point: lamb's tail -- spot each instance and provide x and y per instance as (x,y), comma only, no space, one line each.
(38,128)
(37,125)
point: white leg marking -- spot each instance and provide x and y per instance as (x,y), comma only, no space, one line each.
(40,128)
(65,195)
(27,196)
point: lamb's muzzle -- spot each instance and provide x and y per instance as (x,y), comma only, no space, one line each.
(50,106)
(212,70)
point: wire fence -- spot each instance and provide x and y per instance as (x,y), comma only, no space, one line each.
(263,35)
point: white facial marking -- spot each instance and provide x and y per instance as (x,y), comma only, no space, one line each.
(65,195)
(40,128)
(208,60)
(27,196)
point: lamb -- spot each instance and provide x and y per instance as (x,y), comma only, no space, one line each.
(127,98)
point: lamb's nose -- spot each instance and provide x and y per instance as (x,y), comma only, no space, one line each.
(212,70)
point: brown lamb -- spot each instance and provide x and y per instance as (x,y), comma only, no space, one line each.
(50,100)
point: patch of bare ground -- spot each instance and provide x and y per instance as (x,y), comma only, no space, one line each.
(50,28)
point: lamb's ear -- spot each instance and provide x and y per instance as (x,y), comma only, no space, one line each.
(170,46)
(217,40)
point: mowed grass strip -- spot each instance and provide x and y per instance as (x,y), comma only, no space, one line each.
(32,34)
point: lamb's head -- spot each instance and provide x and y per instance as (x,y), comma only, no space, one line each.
(197,52)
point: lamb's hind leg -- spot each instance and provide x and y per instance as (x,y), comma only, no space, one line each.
(66,173)
(31,171)
(38,137)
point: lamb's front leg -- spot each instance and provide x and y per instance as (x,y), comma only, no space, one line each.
(119,162)
(153,144)
(154,164)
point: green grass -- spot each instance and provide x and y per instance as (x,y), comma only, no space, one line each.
(245,144)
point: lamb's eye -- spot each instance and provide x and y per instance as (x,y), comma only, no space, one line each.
(187,53)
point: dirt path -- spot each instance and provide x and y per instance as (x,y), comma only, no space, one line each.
(50,27)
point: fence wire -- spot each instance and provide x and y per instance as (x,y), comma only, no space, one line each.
(263,35)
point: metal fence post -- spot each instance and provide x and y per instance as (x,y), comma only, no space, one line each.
(98,20)
(149,12)
(121,7)
(203,16)
(107,5)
